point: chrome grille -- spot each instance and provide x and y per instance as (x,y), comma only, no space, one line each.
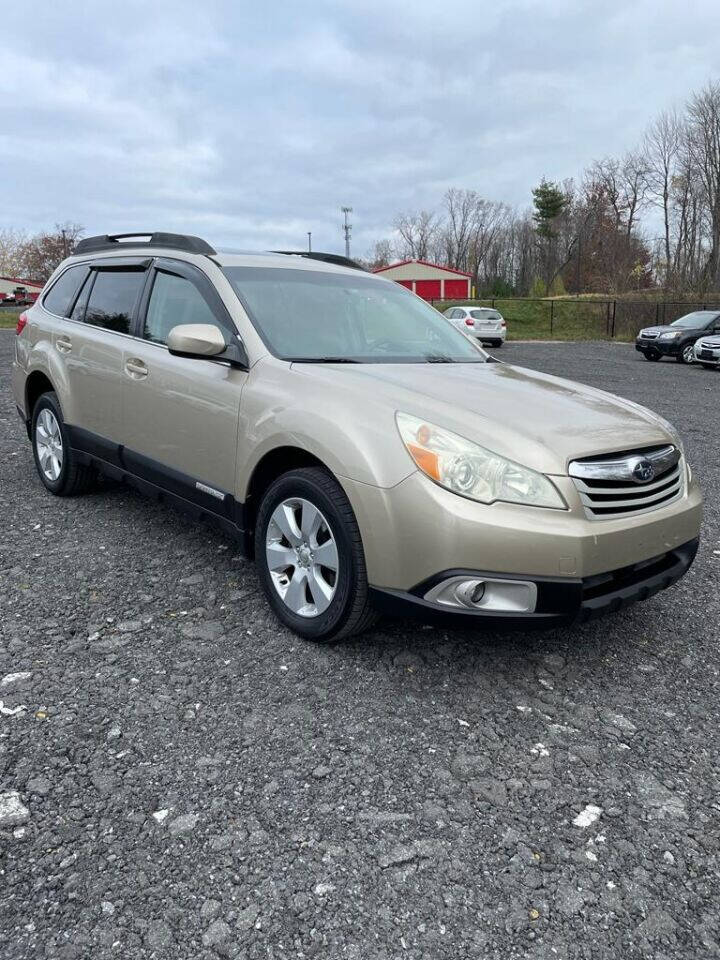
(615,486)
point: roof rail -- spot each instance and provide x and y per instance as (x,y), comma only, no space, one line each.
(173,241)
(325,257)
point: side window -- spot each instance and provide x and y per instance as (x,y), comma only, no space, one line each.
(113,298)
(174,300)
(63,291)
(78,312)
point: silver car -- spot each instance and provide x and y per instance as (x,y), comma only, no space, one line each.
(707,352)
(484,323)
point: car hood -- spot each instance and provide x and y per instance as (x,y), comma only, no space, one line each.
(668,328)
(536,419)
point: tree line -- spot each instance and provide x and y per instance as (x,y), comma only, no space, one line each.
(34,257)
(597,235)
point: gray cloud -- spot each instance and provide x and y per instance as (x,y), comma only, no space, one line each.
(252,125)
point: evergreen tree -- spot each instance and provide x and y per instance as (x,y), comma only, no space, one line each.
(549,201)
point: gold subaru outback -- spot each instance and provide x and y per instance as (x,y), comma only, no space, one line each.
(369,456)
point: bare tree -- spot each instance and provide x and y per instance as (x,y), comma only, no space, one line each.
(12,243)
(41,254)
(417,234)
(382,254)
(661,147)
(704,139)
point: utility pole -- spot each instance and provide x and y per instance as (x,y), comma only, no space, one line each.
(309,233)
(347,227)
(65,249)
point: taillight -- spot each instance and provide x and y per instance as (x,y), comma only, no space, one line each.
(22,321)
(502,323)
(469,321)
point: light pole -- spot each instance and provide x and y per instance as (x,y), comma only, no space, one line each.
(347,227)
(309,233)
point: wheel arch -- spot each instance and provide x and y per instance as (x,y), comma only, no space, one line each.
(273,464)
(36,385)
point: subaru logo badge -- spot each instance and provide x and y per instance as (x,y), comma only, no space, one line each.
(643,471)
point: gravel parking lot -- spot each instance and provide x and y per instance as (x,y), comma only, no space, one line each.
(193,781)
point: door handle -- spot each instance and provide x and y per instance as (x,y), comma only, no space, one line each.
(63,345)
(136,369)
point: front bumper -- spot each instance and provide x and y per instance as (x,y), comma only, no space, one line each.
(560,601)
(415,529)
(665,348)
(707,354)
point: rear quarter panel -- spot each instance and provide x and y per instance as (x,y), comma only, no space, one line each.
(35,352)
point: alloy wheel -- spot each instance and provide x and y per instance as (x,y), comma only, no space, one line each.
(49,444)
(689,353)
(302,557)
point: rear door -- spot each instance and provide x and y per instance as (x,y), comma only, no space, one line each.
(92,344)
(180,414)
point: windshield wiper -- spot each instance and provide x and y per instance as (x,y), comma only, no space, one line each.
(437,358)
(321,360)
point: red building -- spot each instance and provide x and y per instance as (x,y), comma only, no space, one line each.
(429,280)
(19,290)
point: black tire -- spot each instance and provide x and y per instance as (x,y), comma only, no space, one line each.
(681,358)
(497,344)
(349,612)
(654,357)
(74,477)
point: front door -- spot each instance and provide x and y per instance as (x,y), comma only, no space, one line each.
(180,414)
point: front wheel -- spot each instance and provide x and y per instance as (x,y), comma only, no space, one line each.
(310,556)
(687,354)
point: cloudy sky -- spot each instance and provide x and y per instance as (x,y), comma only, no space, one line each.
(251,123)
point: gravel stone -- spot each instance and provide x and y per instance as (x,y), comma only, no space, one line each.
(217,933)
(210,909)
(12,810)
(184,824)
(14,678)
(425,836)
(159,935)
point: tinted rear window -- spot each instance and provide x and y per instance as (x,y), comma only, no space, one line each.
(63,291)
(113,299)
(484,315)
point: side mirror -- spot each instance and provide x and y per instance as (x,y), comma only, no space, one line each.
(196,340)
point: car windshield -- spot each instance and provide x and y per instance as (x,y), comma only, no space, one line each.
(318,316)
(694,320)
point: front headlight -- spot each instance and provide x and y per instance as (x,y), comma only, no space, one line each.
(472,471)
(670,335)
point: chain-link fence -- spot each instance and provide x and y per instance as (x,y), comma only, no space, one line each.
(577,319)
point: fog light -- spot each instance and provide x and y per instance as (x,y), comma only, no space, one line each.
(477,594)
(469,592)
(486,594)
